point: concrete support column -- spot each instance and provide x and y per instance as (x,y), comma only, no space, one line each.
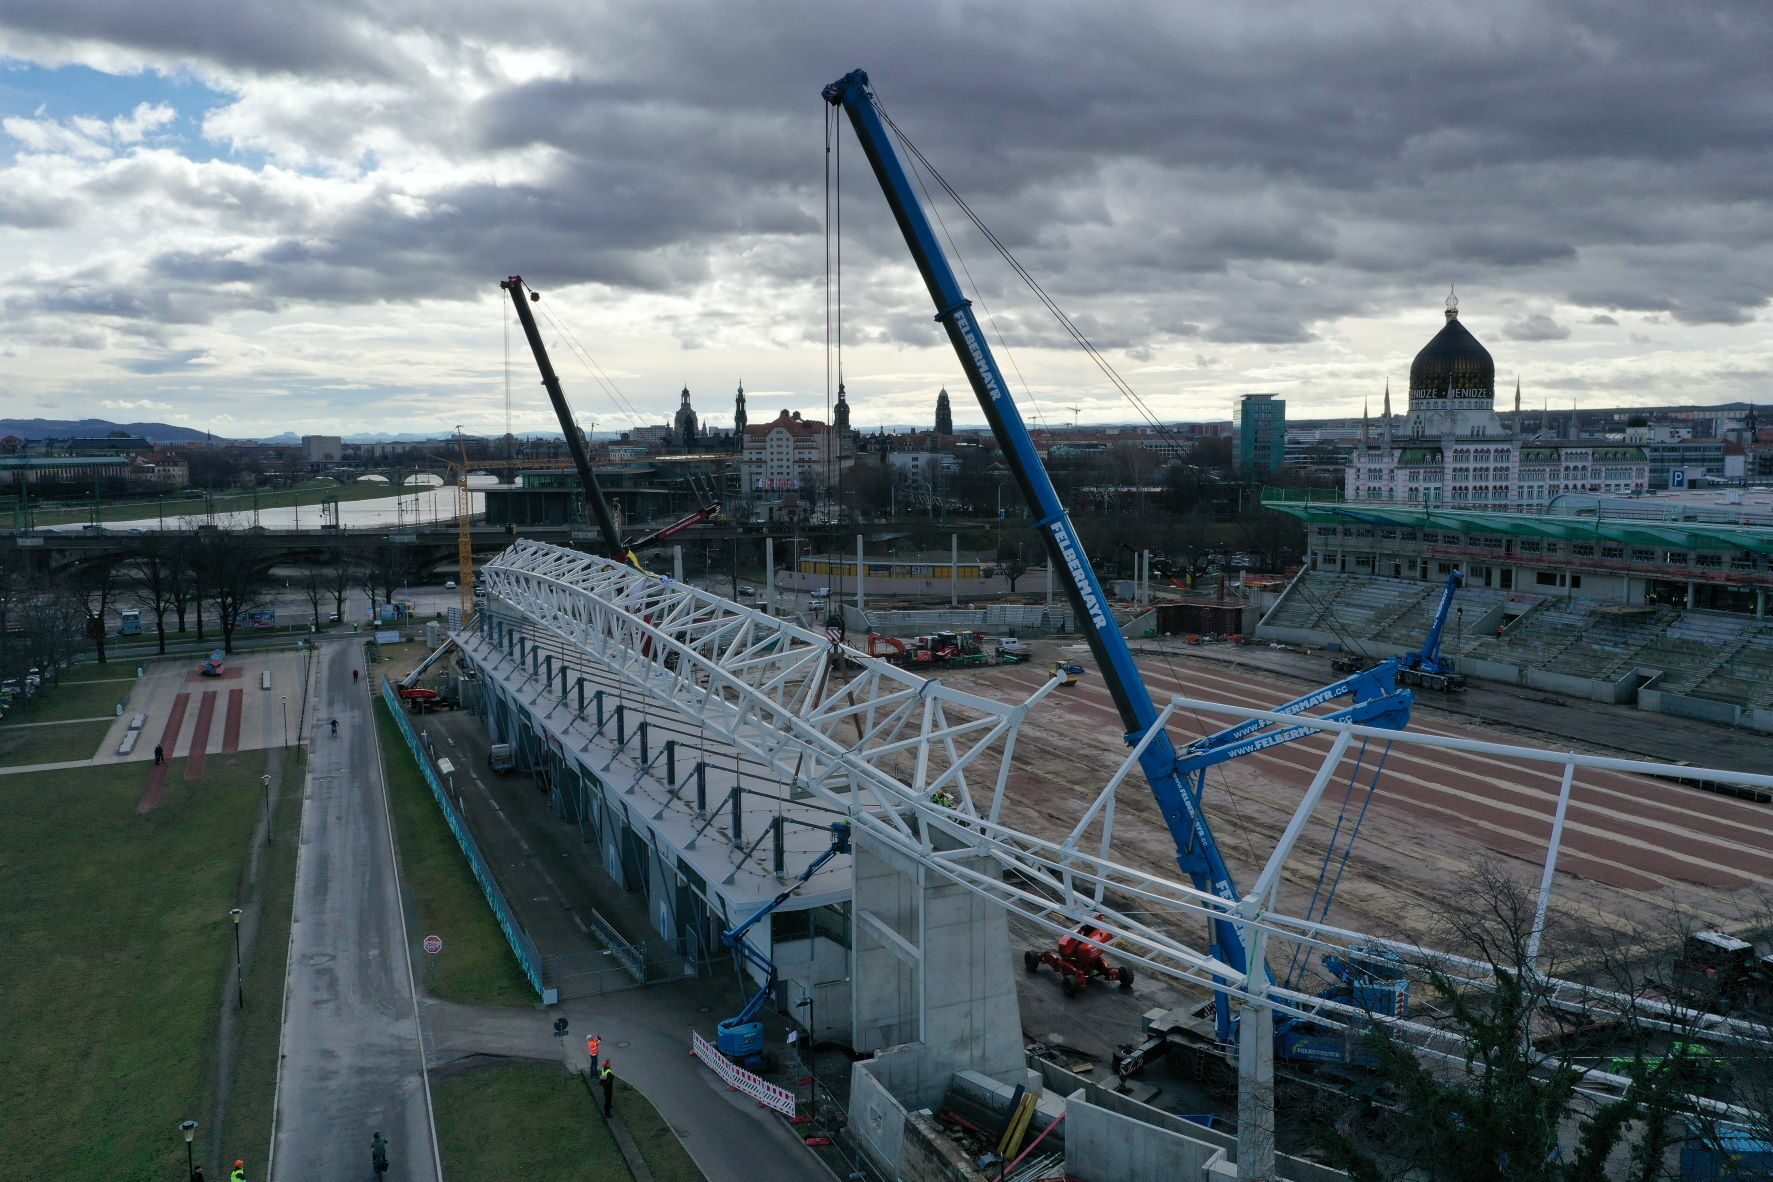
(677,563)
(953,570)
(1049,584)
(859,601)
(1760,603)
(1692,593)
(769,577)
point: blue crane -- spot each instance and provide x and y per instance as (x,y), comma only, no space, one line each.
(1426,667)
(741,1036)
(1177,779)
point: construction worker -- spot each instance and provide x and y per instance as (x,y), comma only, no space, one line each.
(239,1172)
(608,1078)
(593,1044)
(378,1153)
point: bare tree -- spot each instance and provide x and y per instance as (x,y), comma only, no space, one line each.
(314,590)
(152,576)
(233,574)
(97,581)
(340,576)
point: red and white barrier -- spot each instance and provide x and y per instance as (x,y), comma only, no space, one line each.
(765,1093)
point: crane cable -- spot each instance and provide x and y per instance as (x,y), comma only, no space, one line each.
(623,406)
(1059,315)
(918,164)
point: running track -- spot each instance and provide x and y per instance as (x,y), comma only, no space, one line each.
(1622,830)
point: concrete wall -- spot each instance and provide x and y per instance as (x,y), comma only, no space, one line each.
(1104,1146)
(927,1154)
(877,1120)
(944,976)
(1704,709)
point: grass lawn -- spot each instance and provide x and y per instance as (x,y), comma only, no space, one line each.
(117,948)
(260,1032)
(477,965)
(86,698)
(22,745)
(534,1121)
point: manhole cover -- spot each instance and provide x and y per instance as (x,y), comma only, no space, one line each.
(624,1044)
(704,1009)
(317,958)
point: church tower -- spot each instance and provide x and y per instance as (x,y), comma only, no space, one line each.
(685,427)
(944,414)
(841,416)
(739,419)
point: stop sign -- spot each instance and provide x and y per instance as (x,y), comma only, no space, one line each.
(433,944)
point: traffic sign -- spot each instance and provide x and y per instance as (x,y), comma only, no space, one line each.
(433,944)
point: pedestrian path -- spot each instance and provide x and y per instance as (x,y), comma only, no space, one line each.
(61,722)
(27,768)
(646,1038)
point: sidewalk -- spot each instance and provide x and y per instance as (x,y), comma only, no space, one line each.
(646,1037)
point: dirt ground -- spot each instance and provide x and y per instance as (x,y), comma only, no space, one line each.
(1640,857)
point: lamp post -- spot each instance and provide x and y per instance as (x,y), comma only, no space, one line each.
(189,1129)
(266,781)
(239,980)
(806,1003)
(286,720)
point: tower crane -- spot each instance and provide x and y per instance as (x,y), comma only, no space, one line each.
(1177,777)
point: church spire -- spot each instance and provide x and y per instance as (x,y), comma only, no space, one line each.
(1366,426)
(1385,427)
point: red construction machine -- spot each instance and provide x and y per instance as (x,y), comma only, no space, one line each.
(1078,958)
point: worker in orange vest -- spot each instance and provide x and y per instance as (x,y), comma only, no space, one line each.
(593,1045)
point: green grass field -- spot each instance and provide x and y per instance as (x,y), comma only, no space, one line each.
(58,742)
(534,1121)
(477,965)
(117,949)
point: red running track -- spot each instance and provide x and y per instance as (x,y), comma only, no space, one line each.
(1623,830)
(199,755)
(169,737)
(231,729)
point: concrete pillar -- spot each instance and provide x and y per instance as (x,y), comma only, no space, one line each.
(1760,603)
(953,570)
(1049,584)
(932,966)
(769,576)
(859,601)
(677,563)
(1692,593)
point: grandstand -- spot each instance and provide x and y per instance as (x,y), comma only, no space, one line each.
(1666,602)
(1706,664)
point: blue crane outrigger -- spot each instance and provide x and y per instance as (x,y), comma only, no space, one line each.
(1177,778)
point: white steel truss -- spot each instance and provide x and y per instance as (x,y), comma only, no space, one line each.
(889,748)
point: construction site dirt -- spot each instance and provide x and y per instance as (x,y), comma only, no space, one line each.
(1640,857)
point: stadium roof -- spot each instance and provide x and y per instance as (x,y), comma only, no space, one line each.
(1628,523)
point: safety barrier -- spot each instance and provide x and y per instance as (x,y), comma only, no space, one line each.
(521,945)
(767,1094)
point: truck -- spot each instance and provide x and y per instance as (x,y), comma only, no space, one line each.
(1720,971)
(132,622)
(501,758)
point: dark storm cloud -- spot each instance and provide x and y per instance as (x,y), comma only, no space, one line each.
(1176,170)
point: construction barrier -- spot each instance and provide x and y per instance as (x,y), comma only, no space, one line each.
(765,1093)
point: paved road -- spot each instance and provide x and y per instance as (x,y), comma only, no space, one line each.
(353,1056)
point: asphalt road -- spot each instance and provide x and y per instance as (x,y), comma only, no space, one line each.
(353,1056)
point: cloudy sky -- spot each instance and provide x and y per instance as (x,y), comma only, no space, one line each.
(293,215)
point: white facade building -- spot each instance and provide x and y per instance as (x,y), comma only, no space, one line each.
(1452,448)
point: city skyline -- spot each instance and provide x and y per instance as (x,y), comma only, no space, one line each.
(296,221)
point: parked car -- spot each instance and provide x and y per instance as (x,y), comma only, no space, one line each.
(821,593)
(449,584)
(746,591)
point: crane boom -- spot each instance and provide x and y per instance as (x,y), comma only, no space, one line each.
(1197,853)
(594,498)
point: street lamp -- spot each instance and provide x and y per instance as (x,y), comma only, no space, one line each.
(189,1129)
(239,981)
(266,781)
(286,720)
(806,1003)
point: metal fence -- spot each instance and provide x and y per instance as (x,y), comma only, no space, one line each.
(622,965)
(522,946)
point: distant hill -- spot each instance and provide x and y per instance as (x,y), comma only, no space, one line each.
(64,428)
